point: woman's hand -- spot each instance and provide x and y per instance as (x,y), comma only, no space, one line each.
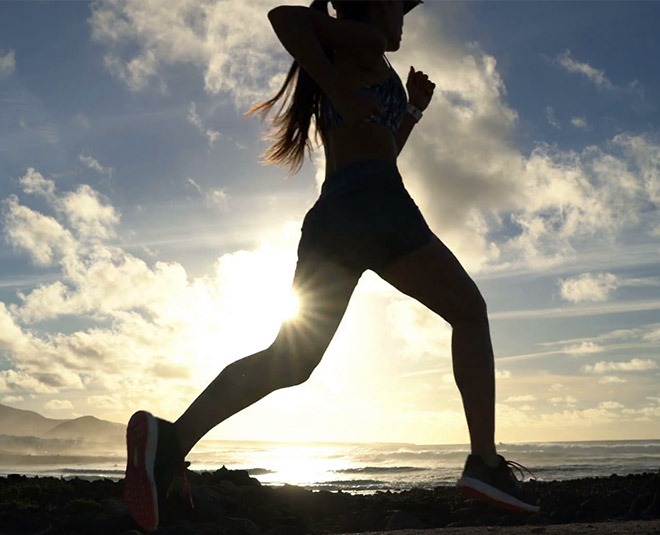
(420,89)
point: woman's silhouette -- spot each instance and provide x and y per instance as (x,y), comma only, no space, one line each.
(363,219)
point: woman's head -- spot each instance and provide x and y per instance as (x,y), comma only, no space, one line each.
(386,15)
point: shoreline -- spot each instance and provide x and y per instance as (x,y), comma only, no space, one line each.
(231,502)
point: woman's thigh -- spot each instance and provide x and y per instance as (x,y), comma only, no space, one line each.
(433,276)
(323,290)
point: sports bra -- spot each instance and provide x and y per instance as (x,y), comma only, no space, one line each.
(391,95)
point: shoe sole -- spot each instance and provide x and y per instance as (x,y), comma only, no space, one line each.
(140,495)
(477,489)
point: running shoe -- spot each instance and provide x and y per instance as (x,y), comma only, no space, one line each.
(498,485)
(154,468)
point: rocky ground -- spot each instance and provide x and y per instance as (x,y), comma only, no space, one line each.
(233,503)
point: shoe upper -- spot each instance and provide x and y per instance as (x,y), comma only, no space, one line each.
(502,477)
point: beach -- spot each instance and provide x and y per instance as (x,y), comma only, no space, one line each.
(231,502)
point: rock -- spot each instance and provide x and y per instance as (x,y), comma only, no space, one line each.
(403,520)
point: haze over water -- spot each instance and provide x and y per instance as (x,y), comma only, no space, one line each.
(368,467)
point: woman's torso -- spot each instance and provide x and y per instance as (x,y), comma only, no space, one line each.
(345,144)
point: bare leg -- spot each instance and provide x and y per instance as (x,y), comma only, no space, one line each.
(434,277)
(324,290)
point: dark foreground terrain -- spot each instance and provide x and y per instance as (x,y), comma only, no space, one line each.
(232,503)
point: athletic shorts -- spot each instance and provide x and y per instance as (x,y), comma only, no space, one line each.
(364,219)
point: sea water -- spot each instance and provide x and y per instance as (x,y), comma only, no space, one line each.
(365,468)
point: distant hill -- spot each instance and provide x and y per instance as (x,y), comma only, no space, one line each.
(22,423)
(89,428)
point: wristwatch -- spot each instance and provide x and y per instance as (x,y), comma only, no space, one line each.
(414,111)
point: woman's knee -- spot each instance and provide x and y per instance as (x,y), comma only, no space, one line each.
(293,364)
(472,307)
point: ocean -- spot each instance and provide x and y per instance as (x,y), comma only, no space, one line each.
(363,468)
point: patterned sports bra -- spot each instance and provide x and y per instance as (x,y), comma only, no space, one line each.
(391,95)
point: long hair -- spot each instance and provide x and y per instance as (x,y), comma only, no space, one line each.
(291,127)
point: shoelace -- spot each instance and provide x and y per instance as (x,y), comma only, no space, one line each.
(186,484)
(520,469)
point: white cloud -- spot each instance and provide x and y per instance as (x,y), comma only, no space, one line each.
(566,60)
(588,287)
(551,117)
(521,398)
(88,214)
(92,163)
(194,119)
(597,77)
(584,348)
(423,333)
(41,236)
(58,405)
(610,379)
(633,365)
(175,329)
(569,401)
(7,62)
(143,38)
(17,381)
(105,402)
(610,405)
(12,399)
(502,374)
(542,206)
(33,182)
(579,122)
(217,197)
(644,156)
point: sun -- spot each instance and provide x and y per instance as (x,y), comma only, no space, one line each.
(289,307)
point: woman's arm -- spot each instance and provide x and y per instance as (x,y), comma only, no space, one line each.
(294,29)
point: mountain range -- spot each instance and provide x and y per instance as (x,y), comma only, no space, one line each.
(23,431)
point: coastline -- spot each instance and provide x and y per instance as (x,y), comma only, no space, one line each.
(230,502)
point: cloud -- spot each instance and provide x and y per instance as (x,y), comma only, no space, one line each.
(551,117)
(231,51)
(195,119)
(92,163)
(58,405)
(569,401)
(579,122)
(217,197)
(519,399)
(588,287)
(566,60)
(597,77)
(7,62)
(610,379)
(584,348)
(125,317)
(498,210)
(610,405)
(634,365)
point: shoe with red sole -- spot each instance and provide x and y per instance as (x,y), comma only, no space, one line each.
(154,468)
(497,485)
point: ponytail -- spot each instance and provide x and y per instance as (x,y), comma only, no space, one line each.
(291,127)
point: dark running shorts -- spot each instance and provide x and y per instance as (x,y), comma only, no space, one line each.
(364,219)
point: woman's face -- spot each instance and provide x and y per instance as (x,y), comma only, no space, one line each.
(388,15)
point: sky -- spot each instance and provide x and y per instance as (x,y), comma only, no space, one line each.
(145,247)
